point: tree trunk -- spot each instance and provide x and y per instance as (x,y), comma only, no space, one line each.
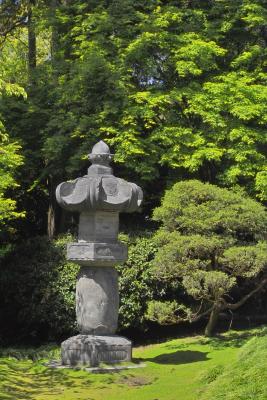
(51,224)
(214,315)
(62,221)
(54,37)
(52,209)
(31,43)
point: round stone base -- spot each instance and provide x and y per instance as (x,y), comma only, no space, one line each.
(102,369)
(91,350)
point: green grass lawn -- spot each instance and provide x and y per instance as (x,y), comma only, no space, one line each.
(180,369)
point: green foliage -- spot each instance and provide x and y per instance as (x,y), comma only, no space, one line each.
(211,239)
(208,285)
(245,378)
(136,283)
(246,261)
(167,312)
(14,61)
(210,375)
(261,184)
(178,89)
(37,286)
(229,106)
(37,290)
(172,371)
(12,15)
(10,160)
(50,351)
(194,207)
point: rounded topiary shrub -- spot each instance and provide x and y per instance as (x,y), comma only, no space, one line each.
(212,241)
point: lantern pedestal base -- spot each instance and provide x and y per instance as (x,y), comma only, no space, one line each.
(91,350)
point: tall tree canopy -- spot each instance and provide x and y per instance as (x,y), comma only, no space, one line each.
(178,84)
(10,160)
(177,87)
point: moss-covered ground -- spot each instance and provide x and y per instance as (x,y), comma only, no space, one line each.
(180,369)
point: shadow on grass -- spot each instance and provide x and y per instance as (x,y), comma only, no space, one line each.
(179,357)
(25,382)
(232,339)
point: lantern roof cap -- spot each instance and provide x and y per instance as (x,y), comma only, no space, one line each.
(100,154)
(100,148)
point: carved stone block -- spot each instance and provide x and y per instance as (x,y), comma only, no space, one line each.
(94,349)
(97,254)
(97,300)
(100,226)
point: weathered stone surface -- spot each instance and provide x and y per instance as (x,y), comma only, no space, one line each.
(98,226)
(97,300)
(97,254)
(99,197)
(93,349)
(99,193)
(99,189)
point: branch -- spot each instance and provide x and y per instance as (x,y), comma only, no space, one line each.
(242,301)
(12,16)
(176,319)
(9,29)
(199,316)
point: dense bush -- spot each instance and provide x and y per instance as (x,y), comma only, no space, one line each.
(136,287)
(212,241)
(37,291)
(209,244)
(139,286)
(37,288)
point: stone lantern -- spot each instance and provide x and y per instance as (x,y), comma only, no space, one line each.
(98,197)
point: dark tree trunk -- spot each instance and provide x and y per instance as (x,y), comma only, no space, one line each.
(52,213)
(62,221)
(214,315)
(56,216)
(221,305)
(54,4)
(51,221)
(31,43)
